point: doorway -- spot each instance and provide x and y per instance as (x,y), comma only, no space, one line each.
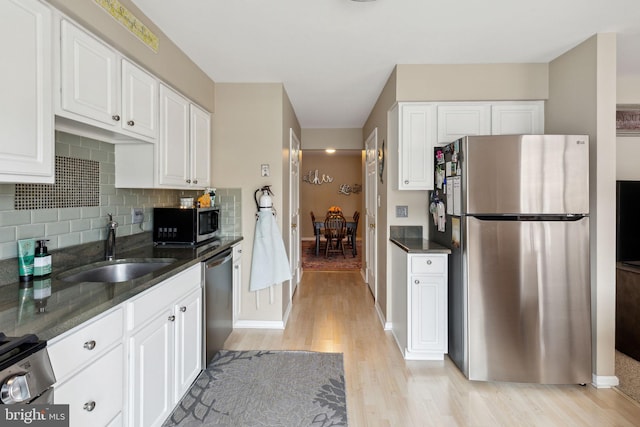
(330,180)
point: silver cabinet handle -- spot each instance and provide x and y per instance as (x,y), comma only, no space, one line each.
(195,181)
(89,406)
(406,181)
(428,262)
(236,267)
(116,118)
(90,345)
(188,181)
(239,251)
(183,309)
(172,318)
(131,123)
(417,282)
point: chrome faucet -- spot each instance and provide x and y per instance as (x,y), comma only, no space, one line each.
(110,251)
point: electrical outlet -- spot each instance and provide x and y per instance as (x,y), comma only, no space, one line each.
(264,170)
(137,216)
(402,211)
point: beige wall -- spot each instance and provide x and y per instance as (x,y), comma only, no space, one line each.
(340,139)
(628,147)
(169,63)
(344,169)
(472,82)
(378,120)
(239,150)
(582,98)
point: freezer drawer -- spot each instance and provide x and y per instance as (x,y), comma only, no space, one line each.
(529,301)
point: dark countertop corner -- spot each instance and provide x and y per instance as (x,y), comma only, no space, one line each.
(415,245)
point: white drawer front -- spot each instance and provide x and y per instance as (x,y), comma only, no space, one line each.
(95,394)
(428,264)
(163,295)
(88,342)
(237,251)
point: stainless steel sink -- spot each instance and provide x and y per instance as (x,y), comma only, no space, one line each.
(121,270)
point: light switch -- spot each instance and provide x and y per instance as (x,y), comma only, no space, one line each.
(402,211)
(264,170)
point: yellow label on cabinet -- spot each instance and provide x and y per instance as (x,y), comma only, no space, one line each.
(128,19)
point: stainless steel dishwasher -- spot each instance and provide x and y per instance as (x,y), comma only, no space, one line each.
(218,302)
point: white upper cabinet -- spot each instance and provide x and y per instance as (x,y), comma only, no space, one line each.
(456,121)
(517,118)
(139,101)
(185,141)
(26,104)
(416,138)
(100,88)
(174,139)
(89,76)
(200,136)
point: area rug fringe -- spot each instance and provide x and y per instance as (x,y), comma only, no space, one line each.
(266,388)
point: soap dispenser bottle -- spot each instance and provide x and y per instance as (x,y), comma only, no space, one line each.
(42,260)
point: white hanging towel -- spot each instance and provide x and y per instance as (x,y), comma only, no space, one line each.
(269,263)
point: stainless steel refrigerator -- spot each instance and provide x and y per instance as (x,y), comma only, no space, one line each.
(517,222)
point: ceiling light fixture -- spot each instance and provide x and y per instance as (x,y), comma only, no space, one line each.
(330,150)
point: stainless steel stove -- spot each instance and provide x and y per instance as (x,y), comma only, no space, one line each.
(26,375)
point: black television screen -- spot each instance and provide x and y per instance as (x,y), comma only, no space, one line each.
(628,221)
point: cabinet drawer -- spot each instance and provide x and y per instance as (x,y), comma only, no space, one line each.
(95,394)
(162,296)
(84,344)
(428,264)
(237,251)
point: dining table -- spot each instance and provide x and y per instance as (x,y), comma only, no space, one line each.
(318,225)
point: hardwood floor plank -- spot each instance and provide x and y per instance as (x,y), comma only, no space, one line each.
(334,312)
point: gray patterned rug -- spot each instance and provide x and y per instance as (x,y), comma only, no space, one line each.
(266,388)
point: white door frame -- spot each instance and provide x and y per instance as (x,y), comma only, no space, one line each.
(371,211)
(294,212)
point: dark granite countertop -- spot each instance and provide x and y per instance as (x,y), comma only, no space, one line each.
(71,304)
(414,245)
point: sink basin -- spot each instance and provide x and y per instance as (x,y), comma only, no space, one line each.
(121,270)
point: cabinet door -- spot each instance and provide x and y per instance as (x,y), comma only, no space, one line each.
(139,101)
(515,119)
(417,137)
(200,137)
(89,76)
(428,314)
(94,395)
(188,350)
(151,372)
(174,139)
(26,106)
(456,121)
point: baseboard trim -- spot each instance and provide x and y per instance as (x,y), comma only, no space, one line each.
(259,324)
(604,381)
(385,325)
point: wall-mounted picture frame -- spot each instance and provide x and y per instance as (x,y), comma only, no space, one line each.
(628,120)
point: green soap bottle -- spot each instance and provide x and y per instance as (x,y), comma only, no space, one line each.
(42,260)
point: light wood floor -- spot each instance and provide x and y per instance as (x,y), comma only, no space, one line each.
(334,312)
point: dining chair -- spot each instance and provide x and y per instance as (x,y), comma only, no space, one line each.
(317,232)
(335,233)
(351,233)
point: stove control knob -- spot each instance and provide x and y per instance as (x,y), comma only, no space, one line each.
(15,390)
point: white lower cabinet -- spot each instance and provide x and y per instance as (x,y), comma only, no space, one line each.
(165,346)
(88,362)
(237,280)
(94,395)
(419,304)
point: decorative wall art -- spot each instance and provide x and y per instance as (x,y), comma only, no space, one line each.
(314,177)
(130,22)
(346,189)
(628,120)
(381,162)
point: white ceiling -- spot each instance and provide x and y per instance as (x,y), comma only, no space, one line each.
(334,56)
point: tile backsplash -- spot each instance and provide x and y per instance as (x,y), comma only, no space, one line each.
(70,226)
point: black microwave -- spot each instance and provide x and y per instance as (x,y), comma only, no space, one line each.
(185,226)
